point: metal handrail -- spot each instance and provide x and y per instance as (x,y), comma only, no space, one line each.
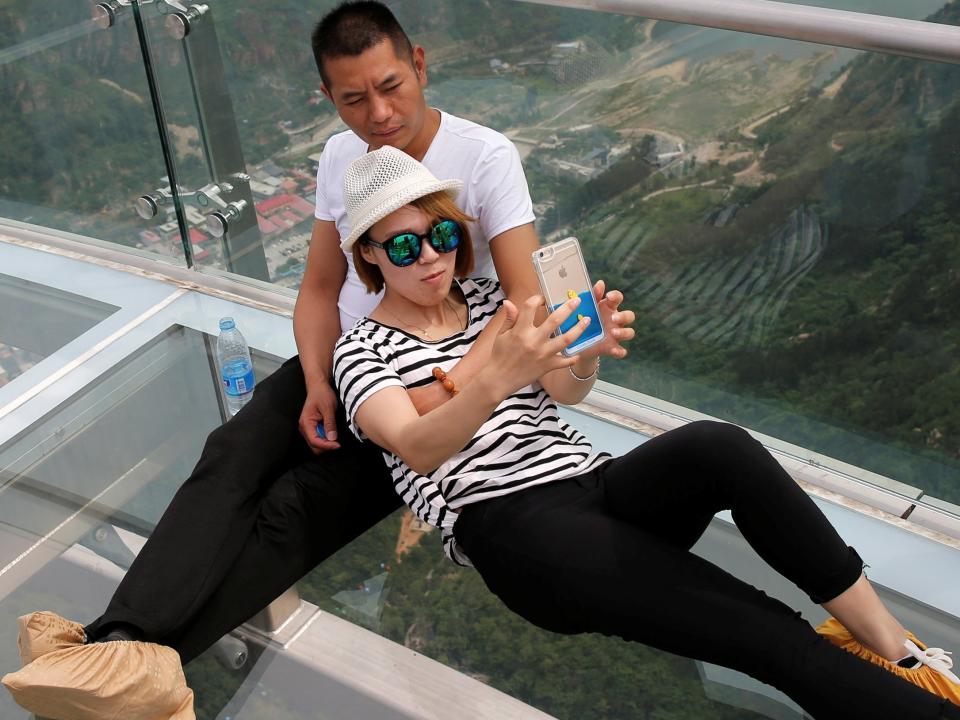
(861,31)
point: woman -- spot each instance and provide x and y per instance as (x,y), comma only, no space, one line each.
(573,540)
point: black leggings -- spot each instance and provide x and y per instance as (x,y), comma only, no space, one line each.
(609,552)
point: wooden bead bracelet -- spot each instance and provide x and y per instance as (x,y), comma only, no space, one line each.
(447,383)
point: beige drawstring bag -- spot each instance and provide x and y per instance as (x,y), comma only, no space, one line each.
(63,679)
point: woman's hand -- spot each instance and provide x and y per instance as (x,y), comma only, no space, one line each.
(615,321)
(320,407)
(523,352)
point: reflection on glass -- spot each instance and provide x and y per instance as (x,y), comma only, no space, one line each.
(81,490)
(37,320)
(14,361)
(78,140)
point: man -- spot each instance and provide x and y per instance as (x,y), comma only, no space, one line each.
(262,506)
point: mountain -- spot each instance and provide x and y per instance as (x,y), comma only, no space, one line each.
(856,357)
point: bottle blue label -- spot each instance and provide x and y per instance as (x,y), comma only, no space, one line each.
(238,377)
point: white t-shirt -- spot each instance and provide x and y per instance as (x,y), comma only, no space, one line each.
(495,192)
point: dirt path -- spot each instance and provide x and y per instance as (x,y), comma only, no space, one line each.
(664,191)
(748,130)
(568,108)
(132,95)
(642,63)
(831,90)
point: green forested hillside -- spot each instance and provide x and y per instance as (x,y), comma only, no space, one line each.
(77,130)
(860,361)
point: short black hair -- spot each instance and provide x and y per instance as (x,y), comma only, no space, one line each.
(353,27)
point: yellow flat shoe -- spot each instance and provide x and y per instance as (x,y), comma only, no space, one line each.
(932,672)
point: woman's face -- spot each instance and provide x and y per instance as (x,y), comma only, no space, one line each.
(427,281)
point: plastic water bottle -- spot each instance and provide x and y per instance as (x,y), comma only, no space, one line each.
(236,368)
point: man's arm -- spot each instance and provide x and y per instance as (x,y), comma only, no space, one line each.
(316,327)
(512,251)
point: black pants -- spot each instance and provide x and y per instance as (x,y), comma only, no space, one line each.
(609,552)
(258,512)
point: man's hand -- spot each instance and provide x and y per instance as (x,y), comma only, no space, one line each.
(615,321)
(320,407)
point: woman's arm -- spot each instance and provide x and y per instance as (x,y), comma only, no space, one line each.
(424,442)
(521,353)
(511,251)
(566,389)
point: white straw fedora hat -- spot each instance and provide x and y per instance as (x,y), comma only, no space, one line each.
(382,181)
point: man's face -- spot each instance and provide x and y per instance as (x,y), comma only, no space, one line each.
(379,95)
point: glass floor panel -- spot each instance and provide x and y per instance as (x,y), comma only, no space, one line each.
(37,320)
(83,486)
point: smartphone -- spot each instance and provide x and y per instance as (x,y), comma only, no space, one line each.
(563,275)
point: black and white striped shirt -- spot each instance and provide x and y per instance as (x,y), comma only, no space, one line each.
(524,443)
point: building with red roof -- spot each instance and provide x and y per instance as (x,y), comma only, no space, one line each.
(282,212)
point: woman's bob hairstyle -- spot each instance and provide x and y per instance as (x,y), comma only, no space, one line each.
(437,206)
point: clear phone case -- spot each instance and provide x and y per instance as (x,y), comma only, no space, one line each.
(563,274)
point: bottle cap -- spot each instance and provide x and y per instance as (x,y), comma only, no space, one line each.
(227,323)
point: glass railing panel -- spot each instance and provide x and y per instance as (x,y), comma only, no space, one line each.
(78,139)
(282,121)
(782,217)
(202,132)
(716,177)
(241,91)
(82,488)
